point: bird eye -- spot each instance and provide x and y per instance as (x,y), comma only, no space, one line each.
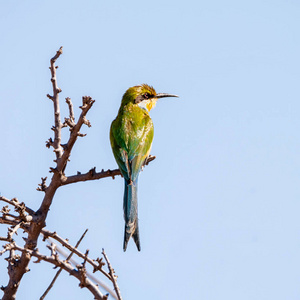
(146,95)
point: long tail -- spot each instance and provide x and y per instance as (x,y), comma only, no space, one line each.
(130,207)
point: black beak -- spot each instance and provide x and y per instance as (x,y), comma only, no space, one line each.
(164,95)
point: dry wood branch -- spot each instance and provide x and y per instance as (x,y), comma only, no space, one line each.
(13,230)
(55,98)
(65,243)
(64,265)
(42,186)
(39,217)
(8,221)
(90,275)
(97,264)
(20,207)
(75,132)
(33,222)
(49,143)
(93,175)
(71,111)
(59,271)
(112,275)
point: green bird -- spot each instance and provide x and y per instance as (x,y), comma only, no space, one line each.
(131,136)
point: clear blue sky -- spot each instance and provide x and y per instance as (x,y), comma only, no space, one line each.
(219,207)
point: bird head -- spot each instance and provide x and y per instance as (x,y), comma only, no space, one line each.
(144,96)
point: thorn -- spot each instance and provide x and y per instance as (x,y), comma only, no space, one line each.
(52,170)
(49,143)
(81,134)
(92,171)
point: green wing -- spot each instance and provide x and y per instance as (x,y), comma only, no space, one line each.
(131,136)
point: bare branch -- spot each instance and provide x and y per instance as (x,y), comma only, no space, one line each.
(4,239)
(42,186)
(33,222)
(96,264)
(49,143)
(87,104)
(71,112)
(65,243)
(59,271)
(112,275)
(13,230)
(93,175)
(64,265)
(55,98)
(91,276)
(19,206)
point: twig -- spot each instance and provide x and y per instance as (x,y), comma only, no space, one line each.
(63,242)
(55,98)
(38,218)
(113,276)
(93,175)
(42,186)
(59,271)
(71,111)
(64,265)
(12,231)
(47,234)
(14,202)
(33,222)
(87,103)
(90,275)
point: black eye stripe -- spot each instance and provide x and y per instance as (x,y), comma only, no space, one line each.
(142,97)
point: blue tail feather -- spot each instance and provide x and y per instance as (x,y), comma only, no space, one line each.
(131,214)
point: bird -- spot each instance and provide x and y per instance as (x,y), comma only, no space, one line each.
(131,136)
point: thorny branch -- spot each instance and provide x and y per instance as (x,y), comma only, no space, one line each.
(33,222)
(96,266)
(90,275)
(113,276)
(93,175)
(13,259)
(59,271)
(54,259)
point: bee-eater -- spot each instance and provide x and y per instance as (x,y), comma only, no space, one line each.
(131,135)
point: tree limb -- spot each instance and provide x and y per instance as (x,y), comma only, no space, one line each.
(55,98)
(59,271)
(33,222)
(93,175)
(63,242)
(112,275)
(53,259)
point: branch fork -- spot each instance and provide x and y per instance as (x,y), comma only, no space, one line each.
(33,222)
